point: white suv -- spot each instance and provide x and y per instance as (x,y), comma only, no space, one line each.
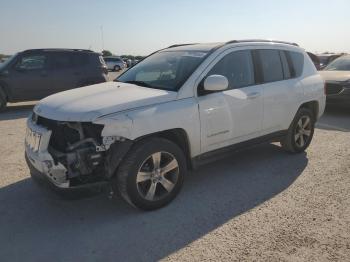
(114,63)
(180,107)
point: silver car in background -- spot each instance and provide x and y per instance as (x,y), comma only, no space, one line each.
(114,63)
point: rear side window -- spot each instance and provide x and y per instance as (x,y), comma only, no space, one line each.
(80,59)
(69,60)
(285,66)
(62,60)
(237,67)
(296,62)
(271,65)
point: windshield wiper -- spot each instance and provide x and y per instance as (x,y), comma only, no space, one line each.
(144,84)
(139,83)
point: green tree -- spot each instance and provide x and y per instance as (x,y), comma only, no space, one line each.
(106,53)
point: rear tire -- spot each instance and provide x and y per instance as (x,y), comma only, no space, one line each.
(3,99)
(152,173)
(116,68)
(300,132)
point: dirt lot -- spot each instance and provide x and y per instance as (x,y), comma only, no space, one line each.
(259,204)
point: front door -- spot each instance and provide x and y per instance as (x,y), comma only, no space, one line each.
(236,114)
(30,77)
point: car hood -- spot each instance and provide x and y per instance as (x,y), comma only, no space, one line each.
(335,75)
(88,103)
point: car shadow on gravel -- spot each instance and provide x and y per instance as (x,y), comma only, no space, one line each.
(16,112)
(335,118)
(38,225)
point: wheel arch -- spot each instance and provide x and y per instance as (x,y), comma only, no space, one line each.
(178,136)
(313,106)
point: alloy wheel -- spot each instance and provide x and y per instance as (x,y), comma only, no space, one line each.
(157,176)
(303,131)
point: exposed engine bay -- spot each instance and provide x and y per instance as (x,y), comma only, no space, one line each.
(79,147)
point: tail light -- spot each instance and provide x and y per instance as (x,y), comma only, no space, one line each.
(104,70)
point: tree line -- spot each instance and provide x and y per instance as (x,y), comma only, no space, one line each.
(132,57)
(2,56)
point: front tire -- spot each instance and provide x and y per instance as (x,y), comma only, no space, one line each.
(300,132)
(152,173)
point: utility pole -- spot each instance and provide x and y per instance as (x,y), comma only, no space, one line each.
(102,39)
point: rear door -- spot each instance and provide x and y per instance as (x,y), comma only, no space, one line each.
(30,78)
(68,70)
(281,89)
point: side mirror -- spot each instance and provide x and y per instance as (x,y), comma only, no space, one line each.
(215,83)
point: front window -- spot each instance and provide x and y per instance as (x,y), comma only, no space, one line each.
(237,67)
(340,64)
(167,70)
(32,62)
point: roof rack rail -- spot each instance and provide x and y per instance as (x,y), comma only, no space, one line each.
(177,45)
(59,49)
(260,40)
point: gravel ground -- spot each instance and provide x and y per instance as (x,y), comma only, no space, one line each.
(260,204)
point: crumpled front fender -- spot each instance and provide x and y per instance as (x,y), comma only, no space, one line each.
(116,125)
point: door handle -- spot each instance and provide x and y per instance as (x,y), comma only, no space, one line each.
(253,95)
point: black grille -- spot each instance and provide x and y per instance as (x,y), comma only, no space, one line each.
(333,88)
(62,135)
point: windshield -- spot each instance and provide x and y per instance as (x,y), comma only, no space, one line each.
(167,70)
(340,64)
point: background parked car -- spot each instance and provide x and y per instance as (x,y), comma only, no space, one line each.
(325,59)
(337,77)
(35,74)
(114,63)
(315,60)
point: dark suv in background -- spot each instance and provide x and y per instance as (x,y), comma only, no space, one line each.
(35,74)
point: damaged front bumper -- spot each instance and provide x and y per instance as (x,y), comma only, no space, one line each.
(77,168)
(39,159)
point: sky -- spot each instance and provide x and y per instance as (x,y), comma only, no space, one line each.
(139,27)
